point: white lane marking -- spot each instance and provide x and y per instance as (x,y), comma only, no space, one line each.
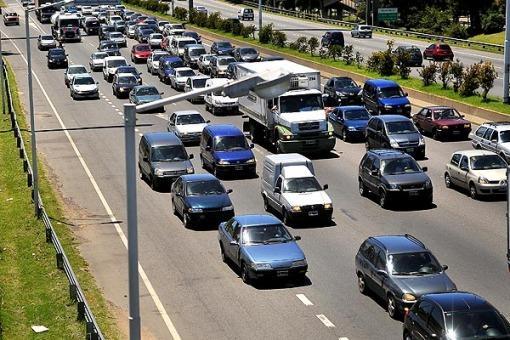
(334,152)
(136,130)
(343,338)
(325,321)
(304,299)
(113,106)
(152,292)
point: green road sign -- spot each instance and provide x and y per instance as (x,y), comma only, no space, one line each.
(387,14)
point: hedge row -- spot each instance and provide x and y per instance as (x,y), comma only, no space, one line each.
(151,5)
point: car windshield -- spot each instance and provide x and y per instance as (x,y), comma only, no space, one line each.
(173,64)
(477,324)
(206,57)
(224,44)
(143,48)
(131,70)
(365,27)
(47,37)
(248,51)
(189,119)
(391,92)
(117,63)
(199,83)
(305,184)
(267,234)
(197,51)
(168,153)
(504,136)
(101,55)
(395,128)
(360,114)
(147,91)
(225,61)
(444,47)
(201,188)
(185,73)
(176,27)
(116,35)
(156,57)
(76,70)
(399,166)
(487,162)
(146,32)
(156,36)
(84,81)
(421,263)
(108,46)
(301,103)
(127,80)
(56,52)
(447,113)
(345,83)
(231,143)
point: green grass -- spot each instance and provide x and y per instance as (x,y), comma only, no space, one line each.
(32,290)
(496,38)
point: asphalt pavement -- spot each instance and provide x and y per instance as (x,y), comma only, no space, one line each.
(186,290)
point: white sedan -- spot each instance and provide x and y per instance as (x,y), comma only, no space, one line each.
(155,40)
(96,61)
(84,86)
(179,77)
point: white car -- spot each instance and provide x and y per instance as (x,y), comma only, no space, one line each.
(84,86)
(118,38)
(155,40)
(131,31)
(204,62)
(153,61)
(216,102)
(161,25)
(196,83)
(179,77)
(113,19)
(201,9)
(177,45)
(72,71)
(173,29)
(45,42)
(187,125)
(110,66)
(96,61)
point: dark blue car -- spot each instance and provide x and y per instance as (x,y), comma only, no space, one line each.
(349,122)
(382,96)
(166,65)
(224,149)
(201,199)
(261,247)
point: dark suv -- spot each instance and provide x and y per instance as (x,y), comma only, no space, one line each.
(457,315)
(331,38)
(399,269)
(394,176)
(394,132)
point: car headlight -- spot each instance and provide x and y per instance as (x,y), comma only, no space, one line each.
(483,180)
(288,137)
(295,208)
(394,144)
(408,297)
(388,106)
(428,184)
(159,172)
(250,161)
(190,170)
(330,133)
(407,105)
(223,162)
(227,208)
(351,128)
(261,266)
(338,93)
(444,127)
(328,206)
(467,126)
(195,210)
(393,186)
(422,141)
(299,263)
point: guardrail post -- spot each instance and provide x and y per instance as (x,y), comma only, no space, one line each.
(21,153)
(29,182)
(91,332)
(25,165)
(60,261)
(73,293)
(48,235)
(80,306)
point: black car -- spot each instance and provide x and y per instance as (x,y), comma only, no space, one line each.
(143,35)
(246,54)
(57,57)
(331,38)
(130,69)
(109,47)
(456,315)
(231,70)
(104,30)
(193,35)
(394,176)
(123,83)
(399,269)
(344,90)
(415,56)
(222,48)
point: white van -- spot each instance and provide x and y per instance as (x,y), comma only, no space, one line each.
(178,43)
(216,102)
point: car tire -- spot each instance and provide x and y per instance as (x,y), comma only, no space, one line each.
(407,336)
(392,307)
(448,181)
(344,136)
(186,221)
(383,199)
(472,191)
(154,183)
(266,203)
(223,255)
(435,135)
(286,217)
(362,188)
(245,276)
(362,285)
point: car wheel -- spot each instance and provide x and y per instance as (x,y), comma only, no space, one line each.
(472,191)
(222,252)
(383,199)
(362,285)
(286,217)
(344,136)
(447,180)
(367,145)
(363,191)
(435,135)
(245,275)
(392,307)
(478,147)
(266,203)
(407,336)
(153,183)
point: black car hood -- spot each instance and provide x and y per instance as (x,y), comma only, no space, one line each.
(412,137)
(410,178)
(349,90)
(419,285)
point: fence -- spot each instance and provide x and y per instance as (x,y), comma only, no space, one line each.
(402,33)
(75,292)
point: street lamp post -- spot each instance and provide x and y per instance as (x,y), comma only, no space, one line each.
(260,15)
(508,217)
(506,69)
(2,74)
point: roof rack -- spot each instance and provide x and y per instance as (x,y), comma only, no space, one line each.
(414,239)
(498,123)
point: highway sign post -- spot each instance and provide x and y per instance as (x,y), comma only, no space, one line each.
(387,14)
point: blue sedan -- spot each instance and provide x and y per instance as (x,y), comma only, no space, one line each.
(349,122)
(143,94)
(261,247)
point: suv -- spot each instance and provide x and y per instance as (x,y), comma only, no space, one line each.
(383,96)
(245,14)
(438,52)
(332,38)
(415,58)
(433,316)
(343,90)
(192,53)
(394,132)
(493,136)
(393,175)
(361,31)
(399,269)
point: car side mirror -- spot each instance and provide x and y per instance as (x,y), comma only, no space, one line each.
(207,121)
(171,124)
(178,194)
(462,116)
(229,191)
(252,146)
(162,93)
(406,94)
(145,159)
(191,156)
(141,74)
(234,243)
(425,169)
(97,83)
(297,238)
(325,187)
(464,168)
(382,272)
(207,148)
(277,190)
(444,266)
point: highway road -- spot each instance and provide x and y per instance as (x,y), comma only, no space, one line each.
(364,46)
(186,290)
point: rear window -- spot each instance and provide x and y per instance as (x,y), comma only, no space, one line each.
(248,10)
(444,47)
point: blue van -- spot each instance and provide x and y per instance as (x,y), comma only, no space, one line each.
(383,97)
(224,149)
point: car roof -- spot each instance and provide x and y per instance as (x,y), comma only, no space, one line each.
(199,177)
(76,66)
(224,130)
(83,75)
(144,86)
(350,107)
(162,138)
(438,107)
(186,112)
(115,58)
(257,220)
(394,244)
(497,125)
(382,82)
(125,75)
(459,301)
(388,153)
(184,68)
(475,152)
(392,118)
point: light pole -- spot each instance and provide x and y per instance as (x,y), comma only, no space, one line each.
(506,70)
(508,217)
(33,143)
(260,15)
(266,87)
(2,73)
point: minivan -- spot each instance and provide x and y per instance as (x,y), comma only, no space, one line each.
(382,96)
(162,158)
(224,149)
(191,54)
(394,132)
(245,14)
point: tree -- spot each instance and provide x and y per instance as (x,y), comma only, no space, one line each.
(313,44)
(457,73)
(445,74)
(471,80)
(428,74)
(486,76)
(493,22)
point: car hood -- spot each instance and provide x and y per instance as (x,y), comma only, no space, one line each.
(181,79)
(125,86)
(451,122)
(419,285)
(144,53)
(249,57)
(410,178)
(356,123)
(307,198)
(48,42)
(148,99)
(405,137)
(190,128)
(234,156)
(98,61)
(58,57)
(222,67)
(224,99)
(209,201)
(278,254)
(398,101)
(491,175)
(505,146)
(157,40)
(223,51)
(349,90)
(90,87)
(172,166)
(118,39)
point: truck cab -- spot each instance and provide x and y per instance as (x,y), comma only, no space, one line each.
(289,187)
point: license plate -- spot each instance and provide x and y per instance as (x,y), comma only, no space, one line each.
(409,150)
(282,273)
(456,132)
(238,167)
(413,193)
(313,213)
(399,110)
(310,142)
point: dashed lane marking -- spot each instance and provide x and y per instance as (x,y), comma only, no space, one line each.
(325,321)
(304,299)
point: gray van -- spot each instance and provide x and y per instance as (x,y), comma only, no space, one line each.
(162,158)
(191,54)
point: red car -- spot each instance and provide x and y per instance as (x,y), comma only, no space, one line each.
(140,52)
(438,52)
(442,122)
(11,18)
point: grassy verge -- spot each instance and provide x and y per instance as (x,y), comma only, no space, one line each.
(32,290)
(496,38)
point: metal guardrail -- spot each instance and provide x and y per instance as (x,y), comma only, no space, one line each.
(402,33)
(84,313)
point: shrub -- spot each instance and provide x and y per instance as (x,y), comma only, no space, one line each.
(302,43)
(335,51)
(445,74)
(359,59)
(428,74)
(266,34)
(457,74)
(456,30)
(246,31)
(214,20)
(401,60)
(471,81)
(493,22)
(192,18)
(237,28)
(200,19)
(180,13)
(374,61)
(279,38)
(226,25)
(486,76)
(348,54)
(313,44)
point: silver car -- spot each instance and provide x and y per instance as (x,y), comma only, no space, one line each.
(180,76)
(187,125)
(153,61)
(96,61)
(479,171)
(72,71)
(196,83)
(494,136)
(204,62)
(361,31)
(83,86)
(118,38)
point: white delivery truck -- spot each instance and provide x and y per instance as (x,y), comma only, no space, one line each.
(289,186)
(294,121)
